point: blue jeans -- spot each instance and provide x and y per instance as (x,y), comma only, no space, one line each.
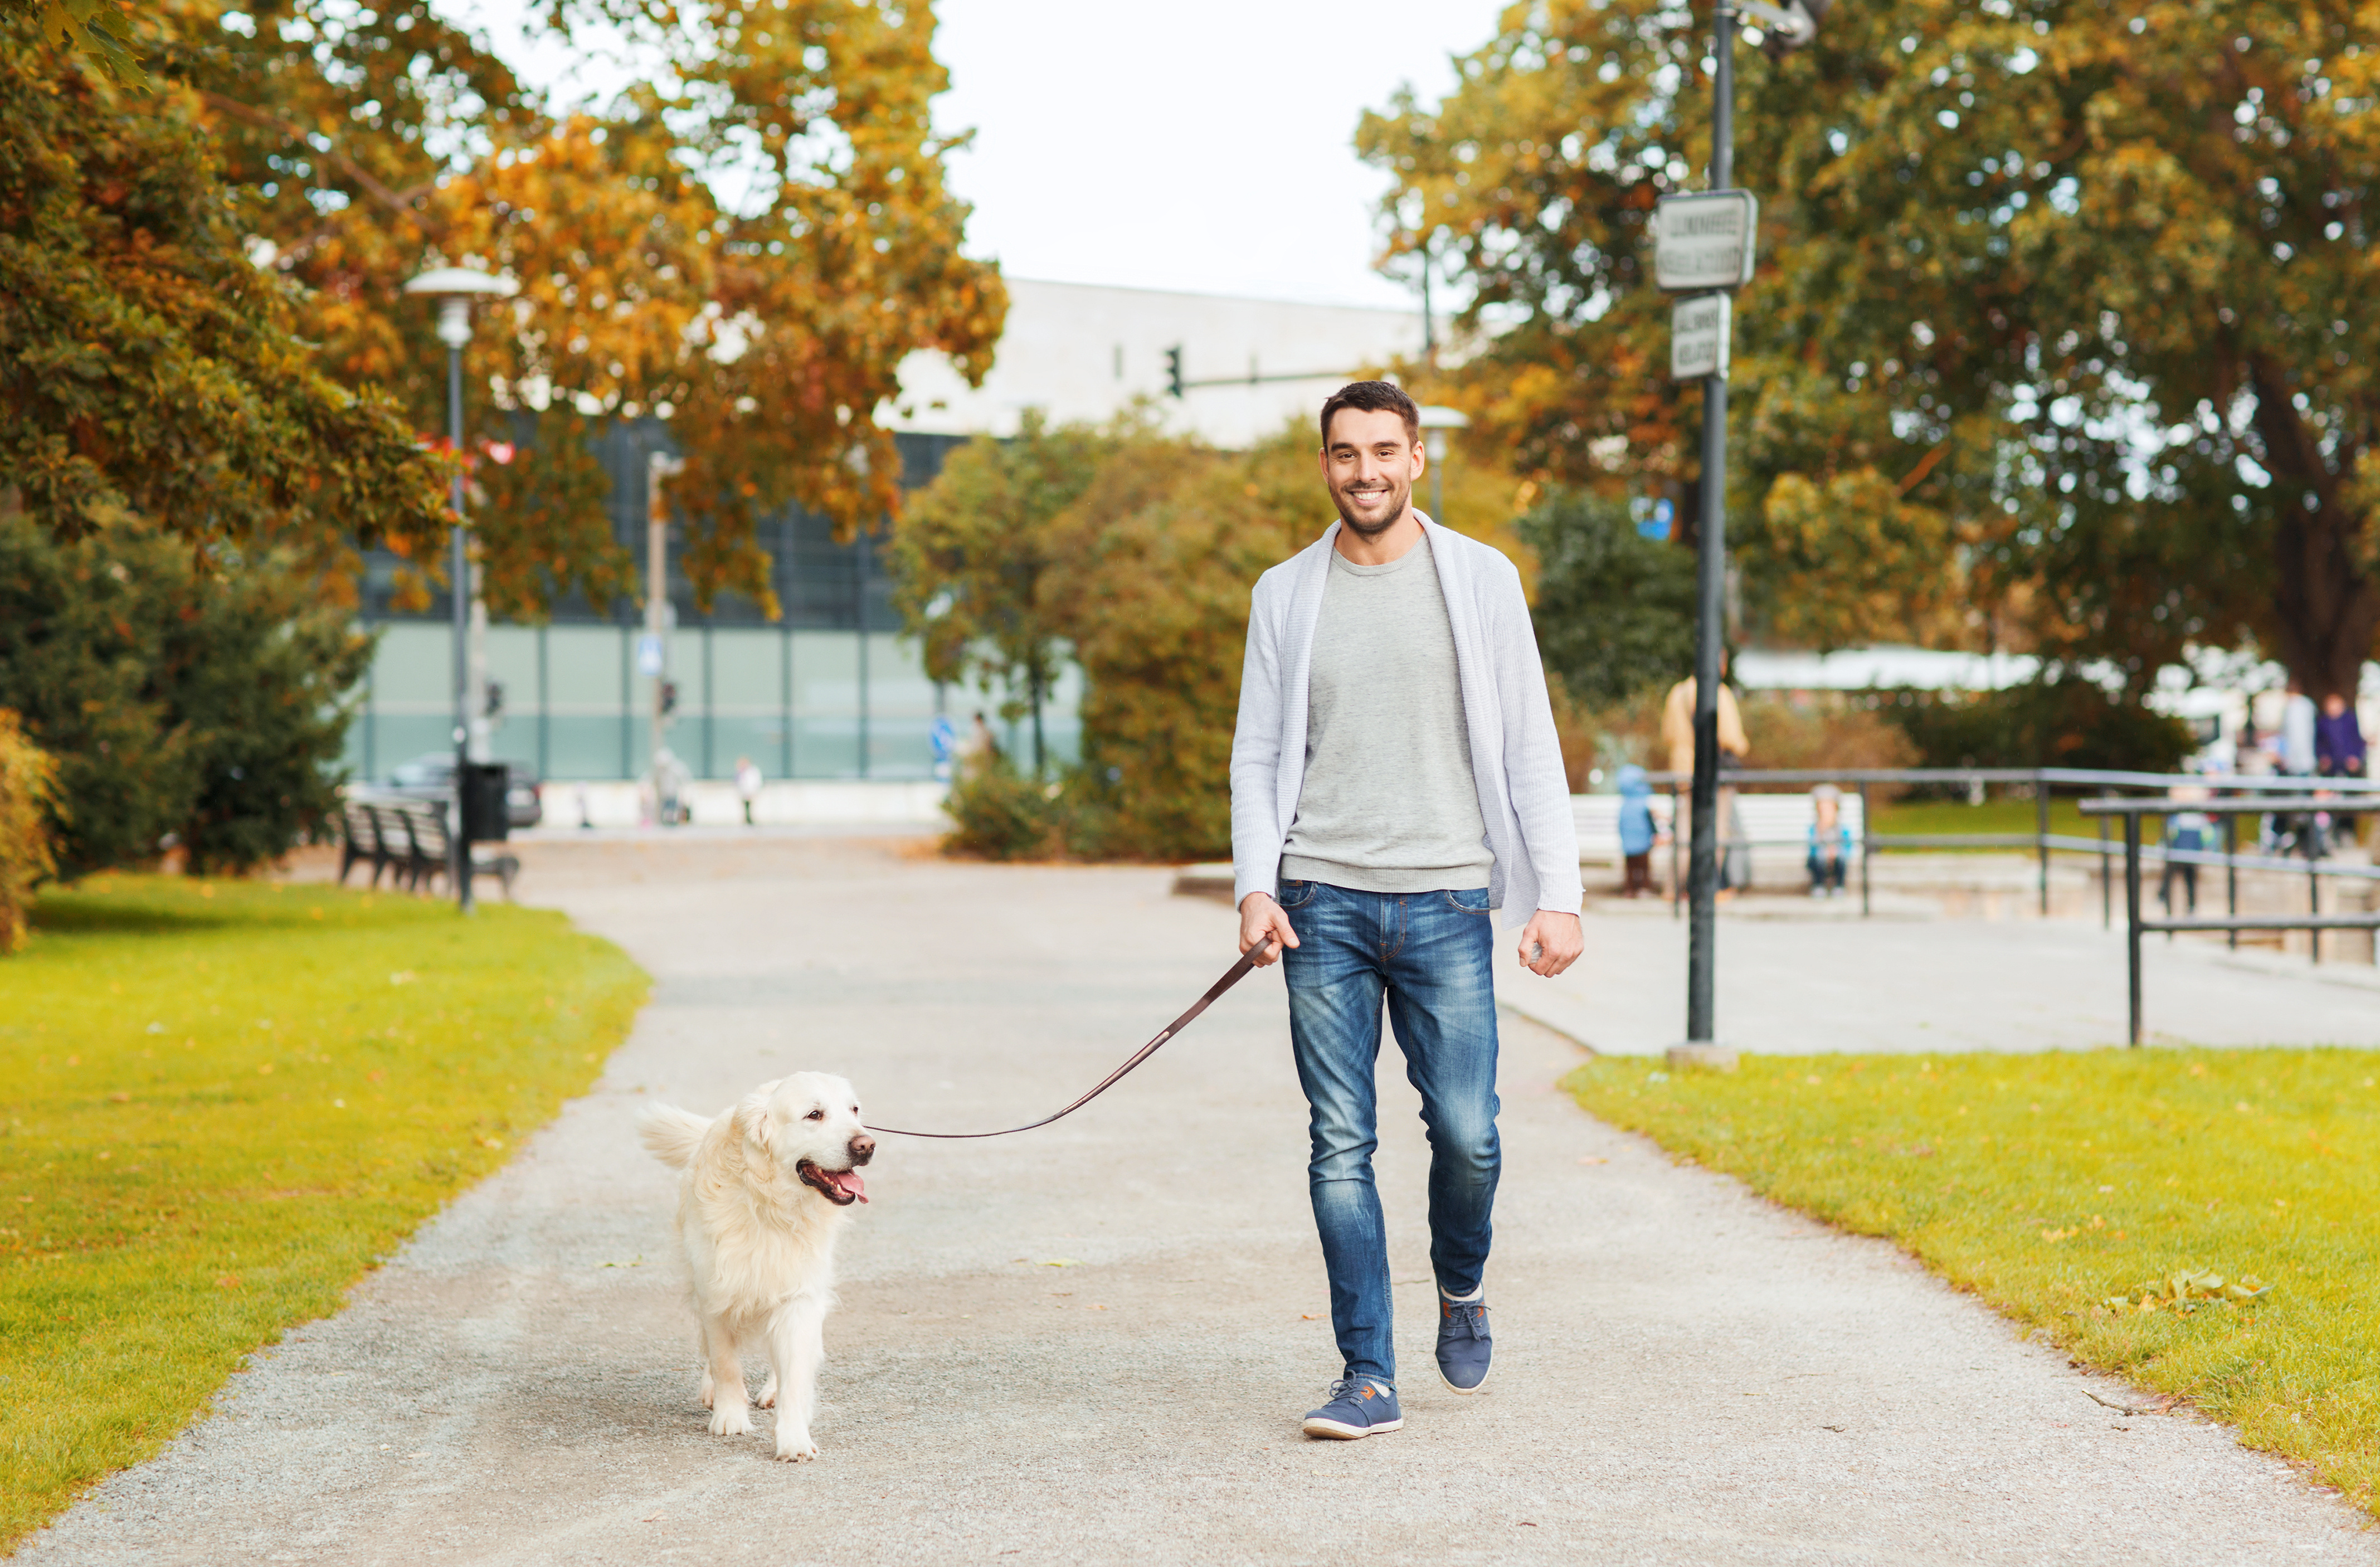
(1427,954)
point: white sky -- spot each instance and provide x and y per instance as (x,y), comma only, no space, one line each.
(1206,148)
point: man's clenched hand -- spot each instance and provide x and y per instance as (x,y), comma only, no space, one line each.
(1549,942)
(1260,917)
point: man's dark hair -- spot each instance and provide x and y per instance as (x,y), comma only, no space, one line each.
(1371,398)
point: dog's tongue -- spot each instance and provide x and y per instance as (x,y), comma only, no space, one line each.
(848,1180)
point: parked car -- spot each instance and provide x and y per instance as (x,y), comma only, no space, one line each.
(432,777)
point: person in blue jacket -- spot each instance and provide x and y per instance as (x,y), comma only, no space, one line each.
(1830,842)
(1637,830)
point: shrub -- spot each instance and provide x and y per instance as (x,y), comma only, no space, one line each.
(1822,732)
(199,697)
(999,814)
(2056,723)
(28,798)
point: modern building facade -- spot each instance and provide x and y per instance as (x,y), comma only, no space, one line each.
(832,690)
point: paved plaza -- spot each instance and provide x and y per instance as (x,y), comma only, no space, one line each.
(1092,1344)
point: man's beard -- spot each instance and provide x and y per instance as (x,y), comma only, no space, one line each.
(1369,530)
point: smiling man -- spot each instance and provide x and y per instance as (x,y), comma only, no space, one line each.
(1395,780)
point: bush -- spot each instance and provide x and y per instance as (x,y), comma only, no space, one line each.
(200,698)
(999,814)
(28,789)
(1823,731)
(2058,722)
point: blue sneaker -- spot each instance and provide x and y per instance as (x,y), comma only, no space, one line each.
(1359,1406)
(1463,1346)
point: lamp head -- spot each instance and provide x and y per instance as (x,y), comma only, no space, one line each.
(453,289)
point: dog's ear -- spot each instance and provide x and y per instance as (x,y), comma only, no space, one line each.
(755,1122)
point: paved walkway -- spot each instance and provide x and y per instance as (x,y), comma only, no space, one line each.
(1794,980)
(1685,1375)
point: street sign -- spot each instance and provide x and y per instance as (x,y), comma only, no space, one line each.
(1698,335)
(1704,240)
(648,654)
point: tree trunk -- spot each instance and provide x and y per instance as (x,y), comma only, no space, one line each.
(2326,610)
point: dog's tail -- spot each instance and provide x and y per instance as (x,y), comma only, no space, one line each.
(671,1133)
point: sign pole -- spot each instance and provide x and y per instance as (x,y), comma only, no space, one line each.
(1711,585)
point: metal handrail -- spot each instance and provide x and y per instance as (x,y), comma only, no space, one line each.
(2041,840)
(2135,925)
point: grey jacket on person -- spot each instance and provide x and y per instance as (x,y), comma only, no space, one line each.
(1516,761)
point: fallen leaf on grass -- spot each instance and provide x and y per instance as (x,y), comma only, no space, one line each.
(2187,1292)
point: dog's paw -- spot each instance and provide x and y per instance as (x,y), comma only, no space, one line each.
(795,1447)
(731,1422)
(769,1393)
(706,1394)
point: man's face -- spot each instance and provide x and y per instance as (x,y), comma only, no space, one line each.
(1370,465)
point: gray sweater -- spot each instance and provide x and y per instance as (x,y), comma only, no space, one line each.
(1388,805)
(1516,768)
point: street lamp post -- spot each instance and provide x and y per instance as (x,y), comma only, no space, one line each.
(1435,423)
(453,289)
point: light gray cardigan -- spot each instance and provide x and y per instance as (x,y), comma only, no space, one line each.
(1515,760)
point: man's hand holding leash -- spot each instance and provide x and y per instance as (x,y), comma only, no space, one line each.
(1260,917)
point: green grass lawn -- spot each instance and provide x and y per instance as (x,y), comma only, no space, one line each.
(2050,1185)
(220,1103)
(1992,815)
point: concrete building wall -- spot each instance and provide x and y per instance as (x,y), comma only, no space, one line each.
(1085,353)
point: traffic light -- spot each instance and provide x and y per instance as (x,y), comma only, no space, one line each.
(1173,371)
(668,696)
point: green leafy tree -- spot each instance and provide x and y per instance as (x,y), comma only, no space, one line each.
(201,700)
(1615,611)
(2063,331)
(972,554)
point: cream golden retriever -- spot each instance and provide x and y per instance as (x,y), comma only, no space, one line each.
(764,1195)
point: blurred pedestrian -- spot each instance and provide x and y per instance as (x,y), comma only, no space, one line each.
(980,749)
(1677,734)
(2297,735)
(748,785)
(1830,842)
(2186,833)
(2338,739)
(1637,831)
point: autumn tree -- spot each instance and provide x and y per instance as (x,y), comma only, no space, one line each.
(747,246)
(146,368)
(2063,329)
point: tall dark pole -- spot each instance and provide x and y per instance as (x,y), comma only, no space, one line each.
(1710,596)
(458,845)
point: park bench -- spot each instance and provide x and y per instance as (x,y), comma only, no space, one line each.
(409,838)
(360,839)
(1769,821)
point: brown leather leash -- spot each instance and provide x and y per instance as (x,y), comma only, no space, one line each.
(1232,977)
